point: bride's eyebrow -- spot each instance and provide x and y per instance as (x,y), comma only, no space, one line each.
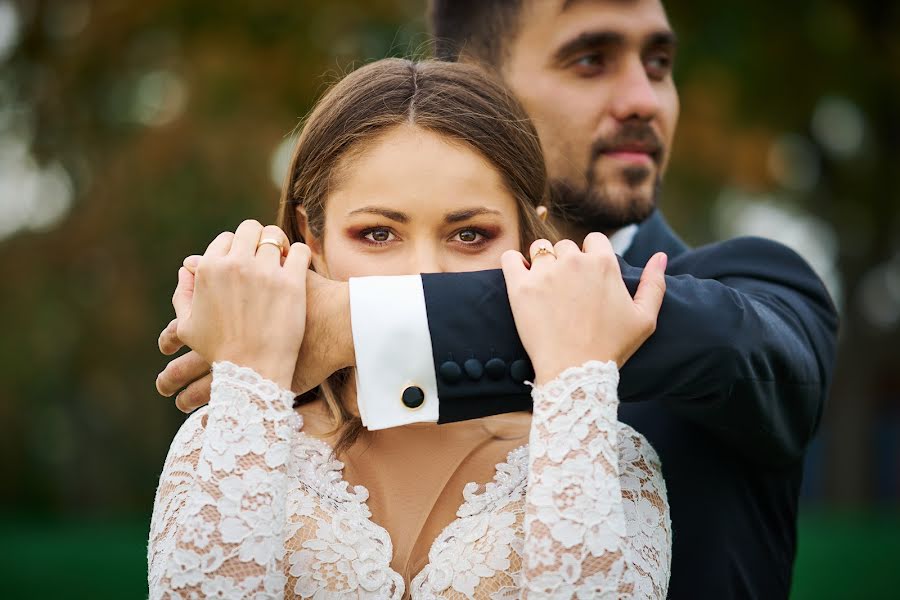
(467,213)
(387,213)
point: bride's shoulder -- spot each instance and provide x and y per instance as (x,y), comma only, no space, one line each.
(317,420)
(634,448)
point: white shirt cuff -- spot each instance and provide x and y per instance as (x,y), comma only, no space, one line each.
(393,350)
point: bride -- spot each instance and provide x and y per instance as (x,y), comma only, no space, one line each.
(407,167)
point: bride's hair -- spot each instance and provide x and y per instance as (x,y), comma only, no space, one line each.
(455,100)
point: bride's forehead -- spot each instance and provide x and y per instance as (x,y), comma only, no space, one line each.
(419,171)
(411,152)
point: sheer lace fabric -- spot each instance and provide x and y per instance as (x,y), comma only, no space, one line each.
(248,506)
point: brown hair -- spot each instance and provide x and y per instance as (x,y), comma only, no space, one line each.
(480,29)
(454,100)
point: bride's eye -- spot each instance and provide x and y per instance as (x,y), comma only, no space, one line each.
(470,237)
(378,235)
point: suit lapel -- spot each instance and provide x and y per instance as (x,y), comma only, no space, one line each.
(654,235)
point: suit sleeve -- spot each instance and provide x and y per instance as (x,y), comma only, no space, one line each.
(744,344)
(393,351)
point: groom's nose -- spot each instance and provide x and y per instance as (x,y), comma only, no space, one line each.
(635,96)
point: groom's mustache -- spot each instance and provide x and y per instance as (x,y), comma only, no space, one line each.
(633,136)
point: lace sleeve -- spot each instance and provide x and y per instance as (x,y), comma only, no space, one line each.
(219,512)
(577,541)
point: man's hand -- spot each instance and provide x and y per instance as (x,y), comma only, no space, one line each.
(188,373)
(327,345)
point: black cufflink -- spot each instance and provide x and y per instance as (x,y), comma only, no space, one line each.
(521,371)
(450,372)
(495,368)
(474,368)
(413,397)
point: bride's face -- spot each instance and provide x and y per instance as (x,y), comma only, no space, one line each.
(415,202)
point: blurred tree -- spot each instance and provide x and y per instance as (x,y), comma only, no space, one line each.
(131,133)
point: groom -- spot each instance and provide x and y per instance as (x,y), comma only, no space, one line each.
(731,387)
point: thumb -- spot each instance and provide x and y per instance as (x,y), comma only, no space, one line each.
(652,287)
(184,295)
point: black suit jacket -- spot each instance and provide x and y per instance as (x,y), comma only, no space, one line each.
(729,391)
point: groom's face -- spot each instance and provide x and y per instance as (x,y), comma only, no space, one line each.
(596,78)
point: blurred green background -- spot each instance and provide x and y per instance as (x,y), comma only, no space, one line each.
(132,132)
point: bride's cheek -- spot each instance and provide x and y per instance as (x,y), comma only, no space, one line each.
(479,260)
(355,264)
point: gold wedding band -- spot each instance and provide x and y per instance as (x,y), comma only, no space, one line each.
(271,241)
(541,251)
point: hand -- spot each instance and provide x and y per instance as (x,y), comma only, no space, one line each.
(575,307)
(327,343)
(246,307)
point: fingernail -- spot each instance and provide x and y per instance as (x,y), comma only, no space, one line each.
(158,390)
(663,260)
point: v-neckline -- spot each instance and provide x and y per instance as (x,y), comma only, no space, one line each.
(477,498)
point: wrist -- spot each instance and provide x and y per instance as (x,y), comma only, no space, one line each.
(275,368)
(332,323)
(548,370)
(345,355)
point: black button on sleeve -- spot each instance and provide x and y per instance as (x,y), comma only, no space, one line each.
(451,372)
(495,368)
(413,397)
(474,368)
(521,371)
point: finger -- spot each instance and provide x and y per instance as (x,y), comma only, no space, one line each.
(219,246)
(169,343)
(541,253)
(181,372)
(270,253)
(298,258)
(514,265)
(652,287)
(565,248)
(184,294)
(191,262)
(195,395)
(597,243)
(246,238)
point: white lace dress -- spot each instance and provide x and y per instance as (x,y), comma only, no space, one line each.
(249,506)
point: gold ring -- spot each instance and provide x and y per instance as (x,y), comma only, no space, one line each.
(271,241)
(541,251)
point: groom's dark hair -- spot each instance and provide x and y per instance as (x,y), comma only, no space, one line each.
(479,29)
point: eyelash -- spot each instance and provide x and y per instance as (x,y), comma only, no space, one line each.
(485,236)
(598,57)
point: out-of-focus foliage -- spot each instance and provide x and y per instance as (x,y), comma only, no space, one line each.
(163,117)
(132,132)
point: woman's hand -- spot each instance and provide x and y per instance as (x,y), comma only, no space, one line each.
(574,307)
(246,307)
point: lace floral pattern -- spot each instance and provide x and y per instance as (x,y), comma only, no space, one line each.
(249,506)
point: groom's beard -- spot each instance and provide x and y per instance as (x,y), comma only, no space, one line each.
(623,195)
